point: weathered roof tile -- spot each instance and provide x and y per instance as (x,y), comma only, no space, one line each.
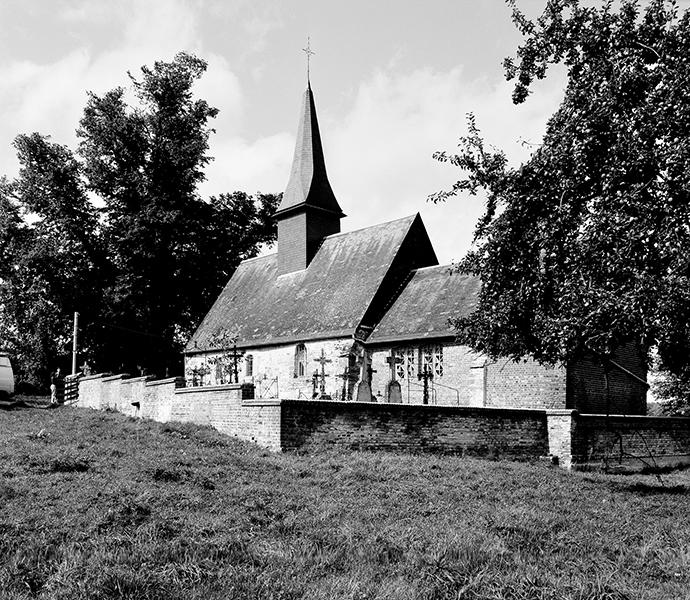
(327,299)
(428,301)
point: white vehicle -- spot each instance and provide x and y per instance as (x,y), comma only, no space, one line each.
(6,375)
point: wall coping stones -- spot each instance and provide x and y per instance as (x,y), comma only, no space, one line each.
(209,388)
(116,377)
(636,418)
(178,381)
(138,379)
(95,376)
(429,407)
(261,402)
(561,412)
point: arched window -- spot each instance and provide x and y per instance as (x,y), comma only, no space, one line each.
(249,365)
(300,360)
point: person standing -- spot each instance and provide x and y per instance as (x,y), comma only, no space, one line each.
(54,383)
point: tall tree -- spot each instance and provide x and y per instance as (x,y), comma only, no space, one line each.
(168,246)
(584,247)
(142,268)
(50,263)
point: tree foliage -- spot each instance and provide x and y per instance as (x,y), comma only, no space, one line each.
(584,246)
(50,263)
(143,267)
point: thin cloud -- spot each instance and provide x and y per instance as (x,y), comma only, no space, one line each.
(379,155)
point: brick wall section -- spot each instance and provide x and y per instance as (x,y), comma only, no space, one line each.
(111,396)
(620,439)
(561,428)
(525,384)
(260,422)
(156,403)
(446,430)
(132,390)
(289,424)
(586,389)
(227,408)
(91,391)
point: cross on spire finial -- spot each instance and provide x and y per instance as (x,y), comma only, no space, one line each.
(309,52)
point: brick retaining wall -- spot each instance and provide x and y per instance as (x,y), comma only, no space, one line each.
(631,440)
(477,431)
(227,408)
(440,429)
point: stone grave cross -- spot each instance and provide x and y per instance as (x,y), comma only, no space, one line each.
(235,357)
(427,376)
(314,383)
(393,360)
(323,361)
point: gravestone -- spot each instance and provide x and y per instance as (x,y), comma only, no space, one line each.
(364,388)
(393,391)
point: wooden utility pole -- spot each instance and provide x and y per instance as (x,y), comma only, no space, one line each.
(74,343)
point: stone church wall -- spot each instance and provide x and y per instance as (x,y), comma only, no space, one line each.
(468,380)
(273,369)
(525,384)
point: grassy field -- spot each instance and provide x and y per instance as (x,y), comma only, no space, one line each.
(96,505)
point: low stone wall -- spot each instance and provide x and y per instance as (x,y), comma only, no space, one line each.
(91,391)
(514,433)
(228,408)
(573,439)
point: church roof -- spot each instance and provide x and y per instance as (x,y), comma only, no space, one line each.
(327,299)
(428,301)
(308,184)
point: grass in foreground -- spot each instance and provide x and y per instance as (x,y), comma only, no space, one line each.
(95,505)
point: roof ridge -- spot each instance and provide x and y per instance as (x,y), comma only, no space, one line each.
(448,266)
(370,227)
(261,257)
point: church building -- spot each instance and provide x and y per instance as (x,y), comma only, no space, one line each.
(364,316)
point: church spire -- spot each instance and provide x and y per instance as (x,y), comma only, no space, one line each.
(308,184)
(308,211)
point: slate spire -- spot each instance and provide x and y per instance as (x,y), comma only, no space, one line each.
(308,211)
(308,183)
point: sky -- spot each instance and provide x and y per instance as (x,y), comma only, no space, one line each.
(393,81)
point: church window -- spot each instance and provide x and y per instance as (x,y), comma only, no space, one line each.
(249,365)
(300,360)
(431,360)
(406,367)
(410,362)
(438,361)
